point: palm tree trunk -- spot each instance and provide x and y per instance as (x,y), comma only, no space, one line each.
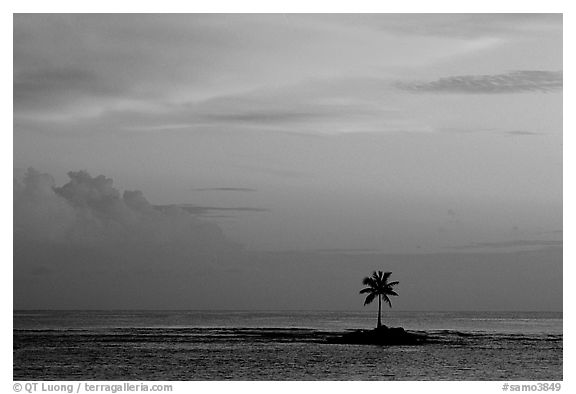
(379,311)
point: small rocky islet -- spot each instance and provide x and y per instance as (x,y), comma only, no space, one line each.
(382,335)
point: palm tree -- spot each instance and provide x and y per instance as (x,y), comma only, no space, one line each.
(378,286)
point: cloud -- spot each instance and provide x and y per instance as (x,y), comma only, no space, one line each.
(86,244)
(207,210)
(330,251)
(313,104)
(470,25)
(522,132)
(224,189)
(490,131)
(137,62)
(111,61)
(53,86)
(125,73)
(107,247)
(90,211)
(269,171)
(323,106)
(512,82)
(511,244)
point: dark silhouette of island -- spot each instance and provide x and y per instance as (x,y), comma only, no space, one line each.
(380,336)
(377,286)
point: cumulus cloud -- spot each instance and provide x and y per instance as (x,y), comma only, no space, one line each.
(511,82)
(86,243)
(91,211)
(224,189)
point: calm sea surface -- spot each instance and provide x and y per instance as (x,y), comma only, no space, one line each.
(203,345)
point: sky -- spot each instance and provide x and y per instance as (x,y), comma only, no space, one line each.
(271,161)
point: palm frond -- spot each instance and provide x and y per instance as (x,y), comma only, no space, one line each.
(386,276)
(387,300)
(369,298)
(392,284)
(391,292)
(367,290)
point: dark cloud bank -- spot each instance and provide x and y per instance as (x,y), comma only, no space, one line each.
(87,245)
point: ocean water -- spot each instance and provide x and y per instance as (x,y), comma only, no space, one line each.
(284,345)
